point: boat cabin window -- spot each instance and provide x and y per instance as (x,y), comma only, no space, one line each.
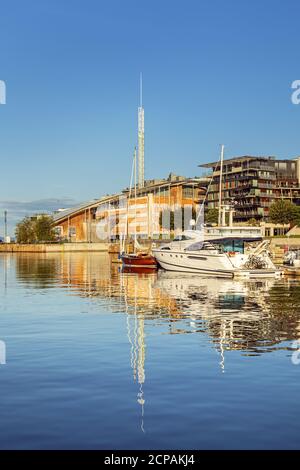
(232,245)
(201,246)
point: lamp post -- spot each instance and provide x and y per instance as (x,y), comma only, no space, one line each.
(5,225)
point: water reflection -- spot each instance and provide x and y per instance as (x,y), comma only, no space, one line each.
(253,316)
(37,271)
(247,317)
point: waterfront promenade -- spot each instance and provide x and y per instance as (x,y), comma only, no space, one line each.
(52,247)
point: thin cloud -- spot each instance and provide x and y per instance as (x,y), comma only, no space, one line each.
(17,210)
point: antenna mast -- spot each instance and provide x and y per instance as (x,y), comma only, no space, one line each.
(141,90)
(5,225)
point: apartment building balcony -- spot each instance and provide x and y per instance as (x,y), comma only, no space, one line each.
(241,205)
(265,204)
(256,203)
(286,196)
(264,194)
(242,190)
(248,214)
(251,212)
(228,172)
(262,175)
(265,185)
(244,194)
(261,167)
(244,173)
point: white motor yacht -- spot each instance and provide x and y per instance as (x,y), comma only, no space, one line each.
(224,256)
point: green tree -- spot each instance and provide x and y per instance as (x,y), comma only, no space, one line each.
(35,229)
(25,231)
(43,227)
(296,220)
(283,212)
(212,216)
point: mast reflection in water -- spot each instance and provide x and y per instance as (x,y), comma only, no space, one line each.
(109,359)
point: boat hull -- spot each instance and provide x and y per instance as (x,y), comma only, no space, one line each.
(217,265)
(139,261)
(192,262)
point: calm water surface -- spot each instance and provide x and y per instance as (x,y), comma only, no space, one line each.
(98,359)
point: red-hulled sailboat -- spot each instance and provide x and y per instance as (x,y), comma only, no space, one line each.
(138,259)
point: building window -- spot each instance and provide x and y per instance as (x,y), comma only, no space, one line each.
(282,165)
(72,231)
(58,231)
(188,192)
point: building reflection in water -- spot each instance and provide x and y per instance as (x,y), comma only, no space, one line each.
(249,316)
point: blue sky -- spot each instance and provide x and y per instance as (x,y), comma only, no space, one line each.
(214,72)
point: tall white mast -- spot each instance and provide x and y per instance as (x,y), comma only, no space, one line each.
(220,185)
(141,138)
(133,171)
(134,199)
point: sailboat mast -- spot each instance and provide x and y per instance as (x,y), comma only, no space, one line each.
(135,199)
(220,185)
(126,234)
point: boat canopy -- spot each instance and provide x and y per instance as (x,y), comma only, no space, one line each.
(237,239)
(228,244)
